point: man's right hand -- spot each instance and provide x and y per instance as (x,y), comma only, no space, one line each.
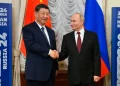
(54,54)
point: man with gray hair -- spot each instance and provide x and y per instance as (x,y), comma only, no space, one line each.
(82,49)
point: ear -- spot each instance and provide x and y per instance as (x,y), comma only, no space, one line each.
(83,22)
(35,13)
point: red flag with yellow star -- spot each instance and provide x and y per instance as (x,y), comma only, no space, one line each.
(29,17)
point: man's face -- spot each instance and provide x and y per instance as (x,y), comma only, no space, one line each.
(42,16)
(76,22)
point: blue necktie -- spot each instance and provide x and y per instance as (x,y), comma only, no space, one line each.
(44,34)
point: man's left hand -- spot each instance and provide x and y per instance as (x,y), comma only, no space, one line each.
(96,78)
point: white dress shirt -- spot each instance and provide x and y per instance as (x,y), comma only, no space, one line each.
(45,30)
(82,31)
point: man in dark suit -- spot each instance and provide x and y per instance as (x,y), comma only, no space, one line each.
(82,49)
(41,65)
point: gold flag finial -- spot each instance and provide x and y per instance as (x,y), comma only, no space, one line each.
(41,1)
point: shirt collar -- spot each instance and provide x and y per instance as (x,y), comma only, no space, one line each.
(81,31)
(39,25)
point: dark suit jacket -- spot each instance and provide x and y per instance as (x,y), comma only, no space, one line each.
(38,64)
(84,65)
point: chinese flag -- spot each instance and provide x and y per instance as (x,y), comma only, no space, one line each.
(29,17)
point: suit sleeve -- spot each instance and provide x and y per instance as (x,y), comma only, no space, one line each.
(97,61)
(64,53)
(31,45)
(56,62)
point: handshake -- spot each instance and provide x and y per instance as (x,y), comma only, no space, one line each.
(54,54)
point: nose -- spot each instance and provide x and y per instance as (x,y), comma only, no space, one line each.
(71,24)
(46,15)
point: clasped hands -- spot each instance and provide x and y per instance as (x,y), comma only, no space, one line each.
(54,54)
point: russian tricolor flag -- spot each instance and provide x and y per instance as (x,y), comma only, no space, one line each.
(94,21)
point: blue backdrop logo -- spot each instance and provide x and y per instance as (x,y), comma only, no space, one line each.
(5,44)
(115,46)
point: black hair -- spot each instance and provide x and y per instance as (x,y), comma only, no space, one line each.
(39,6)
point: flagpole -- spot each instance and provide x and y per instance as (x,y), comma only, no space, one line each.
(107,78)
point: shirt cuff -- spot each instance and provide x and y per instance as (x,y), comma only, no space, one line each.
(49,52)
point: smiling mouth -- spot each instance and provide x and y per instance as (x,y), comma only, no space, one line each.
(44,19)
(72,26)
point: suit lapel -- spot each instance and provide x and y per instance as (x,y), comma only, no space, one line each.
(74,42)
(49,35)
(38,30)
(84,41)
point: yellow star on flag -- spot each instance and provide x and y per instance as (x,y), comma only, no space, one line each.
(41,1)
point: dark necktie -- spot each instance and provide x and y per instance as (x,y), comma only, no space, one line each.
(79,42)
(44,34)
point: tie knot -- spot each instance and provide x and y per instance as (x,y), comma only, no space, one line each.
(42,28)
(78,33)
